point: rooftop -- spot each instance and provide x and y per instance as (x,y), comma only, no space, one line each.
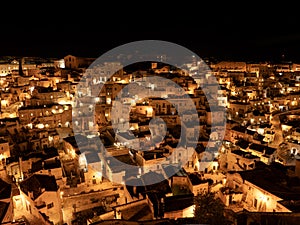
(139,212)
(160,187)
(120,163)
(196,179)
(243,143)
(178,202)
(74,140)
(244,154)
(239,129)
(171,170)
(274,180)
(262,148)
(52,164)
(126,135)
(37,183)
(92,157)
(148,155)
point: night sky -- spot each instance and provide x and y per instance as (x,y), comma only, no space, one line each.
(234,33)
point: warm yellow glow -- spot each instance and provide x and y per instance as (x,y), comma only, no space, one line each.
(65,101)
(263,198)
(12,115)
(31,89)
(4,103)
(72,153)
(2,156)
(191,91)
(82,161)
(108,101)
(98,175)
(189,212)
(40,126)
(149,111)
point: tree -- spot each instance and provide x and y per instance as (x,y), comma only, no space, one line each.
(209,209)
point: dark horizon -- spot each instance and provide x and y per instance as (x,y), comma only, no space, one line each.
(227,33)
(94,47)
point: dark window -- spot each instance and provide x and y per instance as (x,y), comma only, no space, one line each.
(255,203)
(49,206)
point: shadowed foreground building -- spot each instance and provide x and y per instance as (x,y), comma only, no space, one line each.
(41,197)
(6,204)
(126,222)
(256,218)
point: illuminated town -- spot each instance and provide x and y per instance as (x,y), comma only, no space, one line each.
(252,170)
